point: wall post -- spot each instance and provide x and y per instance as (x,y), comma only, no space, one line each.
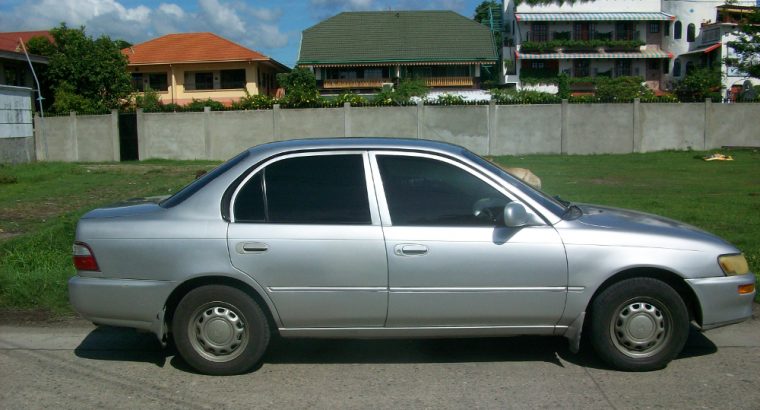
(563,127)
(275,122)
(491,125)
(142,137)
(347,119)
(73,133)
(420,114)
(207,132)
(115,135)
(636,137)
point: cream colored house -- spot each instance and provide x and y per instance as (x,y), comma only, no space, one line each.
(181,67)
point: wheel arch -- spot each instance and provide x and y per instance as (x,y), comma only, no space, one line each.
(185,287)
(670,278)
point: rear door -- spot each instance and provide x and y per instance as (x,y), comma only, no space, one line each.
(307,228)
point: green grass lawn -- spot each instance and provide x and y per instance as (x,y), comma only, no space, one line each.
(40,203)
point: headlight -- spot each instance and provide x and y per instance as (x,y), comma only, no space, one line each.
(733,264)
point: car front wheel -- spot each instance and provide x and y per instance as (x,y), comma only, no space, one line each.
(220,330)
(639,324)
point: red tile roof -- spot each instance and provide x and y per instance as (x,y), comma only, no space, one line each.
(9,40)
(189,48)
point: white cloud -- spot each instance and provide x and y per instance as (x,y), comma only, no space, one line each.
(255,27)
(171,9)
(221,17)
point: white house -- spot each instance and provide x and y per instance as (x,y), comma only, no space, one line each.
(654,39)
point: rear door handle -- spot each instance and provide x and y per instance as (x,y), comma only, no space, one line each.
(252,247)
(410,249)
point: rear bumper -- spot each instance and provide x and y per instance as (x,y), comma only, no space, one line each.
(720,300)
(121,302)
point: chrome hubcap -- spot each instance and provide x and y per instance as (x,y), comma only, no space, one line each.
(218,332)
(639,329)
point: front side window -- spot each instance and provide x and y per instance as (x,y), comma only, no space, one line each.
(677,30)
(540,32)
(428,192)
(690,33)
(323,189)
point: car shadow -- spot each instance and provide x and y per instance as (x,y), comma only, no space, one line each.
(120,344)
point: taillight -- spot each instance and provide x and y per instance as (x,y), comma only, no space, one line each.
(83,257)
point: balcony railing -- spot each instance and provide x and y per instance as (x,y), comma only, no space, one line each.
(364,83)
(449,81)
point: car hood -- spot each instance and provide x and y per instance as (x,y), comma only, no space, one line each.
(606,226)
(129,207)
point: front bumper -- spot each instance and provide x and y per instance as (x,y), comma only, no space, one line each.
(121,302)
(720,300)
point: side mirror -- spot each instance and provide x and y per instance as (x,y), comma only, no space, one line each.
(515,215)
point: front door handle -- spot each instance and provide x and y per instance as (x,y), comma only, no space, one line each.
(252,247)
(410,249)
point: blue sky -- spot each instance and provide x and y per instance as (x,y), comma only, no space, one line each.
(269,26)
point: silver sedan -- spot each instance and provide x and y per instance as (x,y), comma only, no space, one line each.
(377,238)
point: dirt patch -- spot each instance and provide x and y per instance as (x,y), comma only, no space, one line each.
(35,317)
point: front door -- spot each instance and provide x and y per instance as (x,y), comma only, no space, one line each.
(304,227)
(448,267)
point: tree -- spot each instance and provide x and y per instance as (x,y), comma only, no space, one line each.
(482,10)
(92,72)
(300,87)
(747,45)
(699,84)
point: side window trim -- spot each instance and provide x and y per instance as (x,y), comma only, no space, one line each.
(382,199)
(370,189)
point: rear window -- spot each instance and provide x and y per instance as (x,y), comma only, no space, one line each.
(199,183)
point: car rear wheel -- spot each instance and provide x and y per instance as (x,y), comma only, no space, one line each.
(220,330)
(639,324)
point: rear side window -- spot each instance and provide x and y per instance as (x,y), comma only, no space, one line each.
(323,189)
(427,192)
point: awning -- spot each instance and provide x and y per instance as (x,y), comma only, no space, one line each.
(577,56)
(650,16)
(703,50)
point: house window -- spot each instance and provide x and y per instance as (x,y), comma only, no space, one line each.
(204,81)
(580,68)
(622,68)
(654,64)
(137,82)
(690,33)
(158,81)
(677,68)
(665,66)
(654,27)
(666,26)
(537,65)
(677,31)
(233,78)
(539,32)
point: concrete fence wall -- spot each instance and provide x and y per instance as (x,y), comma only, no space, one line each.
(487,130)
(73,138)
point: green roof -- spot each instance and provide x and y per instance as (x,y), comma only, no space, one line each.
(396,36)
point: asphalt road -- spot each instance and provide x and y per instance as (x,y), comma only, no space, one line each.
(72,364)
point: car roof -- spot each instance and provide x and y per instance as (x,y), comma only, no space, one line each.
(355,143)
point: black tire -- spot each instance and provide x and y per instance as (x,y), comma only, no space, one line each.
(639,324)
(220,330)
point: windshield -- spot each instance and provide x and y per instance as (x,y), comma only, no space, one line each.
(199,183)
(539,196)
